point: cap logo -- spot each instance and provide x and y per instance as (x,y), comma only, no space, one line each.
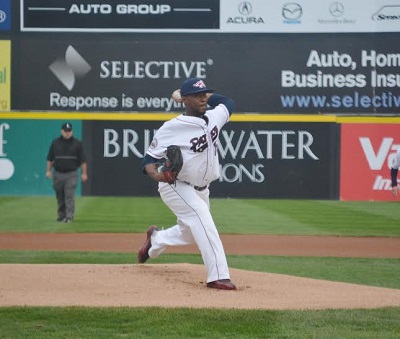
(193,86)
(200,84)
(67,126)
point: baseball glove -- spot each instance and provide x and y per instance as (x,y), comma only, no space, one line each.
(171,164)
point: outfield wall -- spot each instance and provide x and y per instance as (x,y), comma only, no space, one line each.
(311,57)
(262,156)
(298,66)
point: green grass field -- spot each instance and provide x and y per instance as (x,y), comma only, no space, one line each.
(233,216)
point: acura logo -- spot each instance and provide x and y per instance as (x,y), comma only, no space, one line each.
(336,9)
(292,11)
(245,8)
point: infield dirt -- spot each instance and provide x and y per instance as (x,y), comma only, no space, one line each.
(183,285)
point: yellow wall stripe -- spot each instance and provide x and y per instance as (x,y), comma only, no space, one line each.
(238,117)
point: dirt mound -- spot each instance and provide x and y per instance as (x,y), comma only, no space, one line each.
(177,285)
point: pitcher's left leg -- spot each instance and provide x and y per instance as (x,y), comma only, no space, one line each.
(212,251)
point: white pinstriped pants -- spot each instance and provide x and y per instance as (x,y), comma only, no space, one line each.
(195,225)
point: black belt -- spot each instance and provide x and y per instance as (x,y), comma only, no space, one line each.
(200,188)
(66,171)
(197,188)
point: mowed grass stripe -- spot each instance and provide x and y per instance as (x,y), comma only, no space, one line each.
(155,322)
(306,217)
(240,216)
(232,216)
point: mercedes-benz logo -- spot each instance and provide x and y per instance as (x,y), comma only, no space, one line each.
(245,8)
(336,9)
(292,11)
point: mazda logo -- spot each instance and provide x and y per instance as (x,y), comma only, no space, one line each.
(292,11)
(245,8)
(336,9)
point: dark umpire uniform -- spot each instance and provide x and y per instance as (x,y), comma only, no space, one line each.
(66,155)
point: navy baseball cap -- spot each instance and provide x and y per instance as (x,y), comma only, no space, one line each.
(66,126)
(193,86)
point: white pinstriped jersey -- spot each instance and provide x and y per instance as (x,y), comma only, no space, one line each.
(197,139)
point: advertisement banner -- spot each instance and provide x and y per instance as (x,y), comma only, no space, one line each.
(367,152)
(5,75)
(257,159)
(309,16)
(213,16)
(129,15)
(24,145)
(276,73)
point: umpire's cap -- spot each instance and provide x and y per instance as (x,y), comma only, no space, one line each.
(66,126)
(193,86)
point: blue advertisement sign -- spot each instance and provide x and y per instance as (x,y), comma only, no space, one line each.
(5,15)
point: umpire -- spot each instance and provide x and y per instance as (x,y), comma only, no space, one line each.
(66,155)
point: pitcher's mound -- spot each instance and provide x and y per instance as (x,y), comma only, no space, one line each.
(177,285)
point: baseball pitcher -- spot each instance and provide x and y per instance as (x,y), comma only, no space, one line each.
(183,159)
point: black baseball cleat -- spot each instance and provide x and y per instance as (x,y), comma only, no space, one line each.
(67,220)
(60,219)
(223,284)
(143,253)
